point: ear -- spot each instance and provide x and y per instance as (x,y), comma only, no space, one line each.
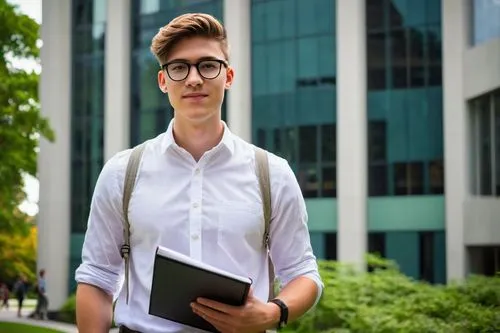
(162,81)
(229,77)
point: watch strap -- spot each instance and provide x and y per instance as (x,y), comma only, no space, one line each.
(283,312)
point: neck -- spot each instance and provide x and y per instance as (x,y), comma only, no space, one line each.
(197,138)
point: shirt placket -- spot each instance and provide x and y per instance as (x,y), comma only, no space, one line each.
(195,214)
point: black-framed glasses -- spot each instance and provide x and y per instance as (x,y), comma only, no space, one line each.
(208,69)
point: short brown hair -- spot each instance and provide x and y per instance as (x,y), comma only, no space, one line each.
(186,26)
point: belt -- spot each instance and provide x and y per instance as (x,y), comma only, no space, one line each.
(125,329)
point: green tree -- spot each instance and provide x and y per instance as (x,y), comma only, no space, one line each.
(21,123)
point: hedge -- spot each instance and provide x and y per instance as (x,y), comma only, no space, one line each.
(387,301)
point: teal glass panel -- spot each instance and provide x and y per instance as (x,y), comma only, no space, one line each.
(403,247)
(294,84)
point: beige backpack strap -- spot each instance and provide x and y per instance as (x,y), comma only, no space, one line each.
(262,169)
(128,187)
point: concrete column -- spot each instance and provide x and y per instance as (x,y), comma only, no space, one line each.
(54,158)
(239,97)
(455,22)
(351,132)
(117,78)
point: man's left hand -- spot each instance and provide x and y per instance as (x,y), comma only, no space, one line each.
(253,317)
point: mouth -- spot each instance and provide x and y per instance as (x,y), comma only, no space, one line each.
(194,96)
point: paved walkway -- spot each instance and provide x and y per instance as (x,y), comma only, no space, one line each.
(11,316)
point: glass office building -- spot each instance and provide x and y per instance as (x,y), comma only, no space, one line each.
(394,150)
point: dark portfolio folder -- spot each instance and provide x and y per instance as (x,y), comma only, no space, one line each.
(179,280)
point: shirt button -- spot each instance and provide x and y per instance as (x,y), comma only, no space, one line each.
(195,205)
(194,236)
(197,171)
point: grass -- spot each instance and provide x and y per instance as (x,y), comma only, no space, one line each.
(22,328)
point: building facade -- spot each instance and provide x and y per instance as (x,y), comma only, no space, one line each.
(388,111)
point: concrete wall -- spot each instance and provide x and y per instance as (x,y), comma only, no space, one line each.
(482,221)
(482,69)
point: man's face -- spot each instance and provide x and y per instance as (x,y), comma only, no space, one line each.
(196,98)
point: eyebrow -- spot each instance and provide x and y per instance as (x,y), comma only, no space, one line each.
(200,59)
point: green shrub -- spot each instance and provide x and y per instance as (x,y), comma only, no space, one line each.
(386,301)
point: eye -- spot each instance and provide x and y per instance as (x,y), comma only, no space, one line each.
(208,65)
(177,67)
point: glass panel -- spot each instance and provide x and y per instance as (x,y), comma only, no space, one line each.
(331,246)
(328,143)
(427,256)
(308,58)
(375,10)
(433,11)
(308,144)
(377,144)
(306,21)
(436,177)
(485,142)
(434,54)
(378,180)
(408,178)
(258,18)
(399,58)
(416,40)
(329,175)
(376,60)
(308,181)
(497,141)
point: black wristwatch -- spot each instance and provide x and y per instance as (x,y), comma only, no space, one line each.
(283,310)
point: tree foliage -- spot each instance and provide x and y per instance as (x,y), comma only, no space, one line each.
(21,123)
(387,301)
(18,255)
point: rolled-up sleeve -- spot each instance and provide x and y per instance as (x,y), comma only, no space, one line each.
(290,244)
(102,264)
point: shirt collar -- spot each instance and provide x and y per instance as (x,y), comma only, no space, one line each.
(226,142)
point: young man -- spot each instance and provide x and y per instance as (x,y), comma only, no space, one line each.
(196,193)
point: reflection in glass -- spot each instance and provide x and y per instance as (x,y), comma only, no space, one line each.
(329,177)
(308,181)
(408,178)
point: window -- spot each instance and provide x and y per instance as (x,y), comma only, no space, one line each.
(485,21)
(408,178)
(331,246)
(376,243)
(484,260)
(377,158)
(427,256)
(485,130)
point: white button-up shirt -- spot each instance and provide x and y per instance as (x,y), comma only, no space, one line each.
(210,210)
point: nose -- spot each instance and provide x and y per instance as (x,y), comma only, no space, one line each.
(194,78)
